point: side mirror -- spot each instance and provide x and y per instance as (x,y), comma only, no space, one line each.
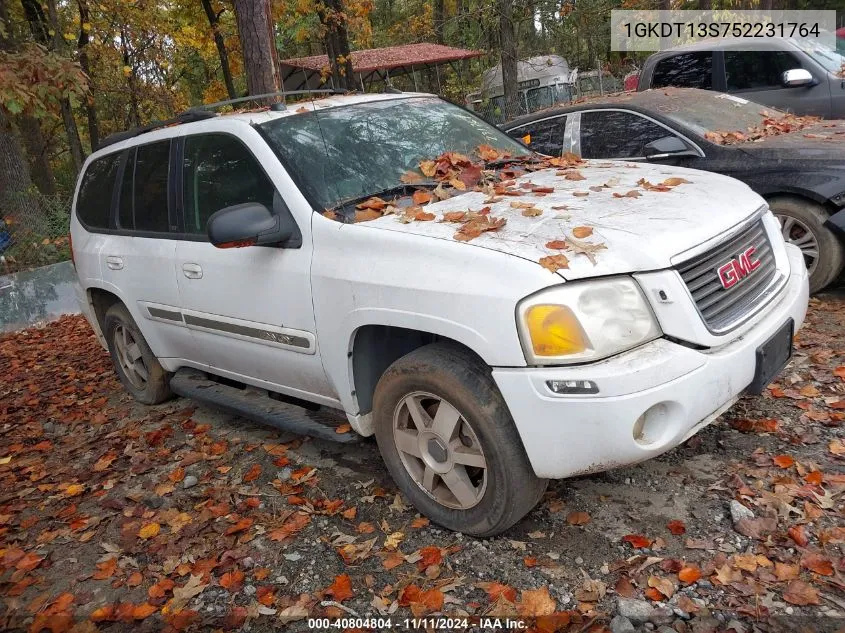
(796,78)
(248,224)
(665,147)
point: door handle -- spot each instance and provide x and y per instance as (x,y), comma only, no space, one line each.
(114,262)
(192,271)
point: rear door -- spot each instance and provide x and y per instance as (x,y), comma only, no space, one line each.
(137,259)
(249,309)
(545,136)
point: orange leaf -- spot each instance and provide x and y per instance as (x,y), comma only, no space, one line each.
(135,579)
(553,263)
(783,461)
(676,527)
(556,244)
(177,475)
(800,593)
(419,522)
(241,526)
(74,490)
(143,611)
(253,473)
(578,518)
(840,371)
(290,527)
(817,563)
(430,555)
(232,580)
(582,231)
(653,594)
(797,534)
(429,601)
(496,590)
(537,602)
(341,588)
(421,197)
(105,569)
(149,530)
(103,614)
(394,559)
(265,595)
(689,574)
(160,589)
(814,477)
(637,540)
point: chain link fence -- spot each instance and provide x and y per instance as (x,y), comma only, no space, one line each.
(33,231)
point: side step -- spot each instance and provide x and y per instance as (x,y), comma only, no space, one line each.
(256,405)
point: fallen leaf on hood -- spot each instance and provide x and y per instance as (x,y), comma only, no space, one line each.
(410,178)
(586,249)
(366,215)
(487,152)
(553,263)
(374,203)
(582,231)
(428,167)
(475,227)
(458,184)
(532,212)
(581,194)
(574,175)
(421,197)
(675,181)
(631,194)
(556,244)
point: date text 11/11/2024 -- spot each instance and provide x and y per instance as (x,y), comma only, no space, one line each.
(423,623)
(722,29)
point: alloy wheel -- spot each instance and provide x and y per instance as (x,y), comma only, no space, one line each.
(440,450)
(129,356)
(795,232)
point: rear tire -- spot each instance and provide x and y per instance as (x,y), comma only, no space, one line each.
(466,469)
(802,223)
(135,364)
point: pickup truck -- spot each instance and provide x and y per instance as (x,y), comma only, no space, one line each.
(395,265)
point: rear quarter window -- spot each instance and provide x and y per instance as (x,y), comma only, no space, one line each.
(93,205)
(685,70)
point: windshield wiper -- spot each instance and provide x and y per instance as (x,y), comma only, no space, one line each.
(398,190)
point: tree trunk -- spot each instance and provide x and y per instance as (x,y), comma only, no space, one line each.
(253,18)
(333,18)
(438,21)
(214,22)
(36,149)
(507,44)
(85,63)
(74,143)
(15,183)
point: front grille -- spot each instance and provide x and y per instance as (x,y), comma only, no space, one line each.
(720,307)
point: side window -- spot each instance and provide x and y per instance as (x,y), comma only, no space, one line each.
(757,70)
(687,70)
(546,135)
(93,206)
(615,134)
(143,191)
(219,171)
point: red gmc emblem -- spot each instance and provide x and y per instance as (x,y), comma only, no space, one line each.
(731,273)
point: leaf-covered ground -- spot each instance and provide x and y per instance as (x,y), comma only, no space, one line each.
(115,515)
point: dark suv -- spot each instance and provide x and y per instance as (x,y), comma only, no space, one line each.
(792,75)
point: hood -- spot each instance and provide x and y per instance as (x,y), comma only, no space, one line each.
(638,233)
(824,140)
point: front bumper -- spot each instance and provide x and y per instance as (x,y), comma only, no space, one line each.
(677,389)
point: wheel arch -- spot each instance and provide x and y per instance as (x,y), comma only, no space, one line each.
(374,347)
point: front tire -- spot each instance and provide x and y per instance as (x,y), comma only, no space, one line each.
(802,223)
(450,444)
(135,364)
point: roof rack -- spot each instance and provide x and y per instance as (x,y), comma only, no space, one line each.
(186,117)
(266,95)
(202,112)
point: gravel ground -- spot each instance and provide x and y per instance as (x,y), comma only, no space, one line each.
(177,516)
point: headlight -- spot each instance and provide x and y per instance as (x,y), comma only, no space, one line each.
(584,320)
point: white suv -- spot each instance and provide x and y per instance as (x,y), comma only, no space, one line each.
(496,318)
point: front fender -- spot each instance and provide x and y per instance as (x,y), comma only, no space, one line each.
(836,223)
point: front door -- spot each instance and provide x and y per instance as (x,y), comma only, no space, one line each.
(248,309)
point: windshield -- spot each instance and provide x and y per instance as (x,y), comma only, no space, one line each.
(715,112)
(830,59)
(345,153)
